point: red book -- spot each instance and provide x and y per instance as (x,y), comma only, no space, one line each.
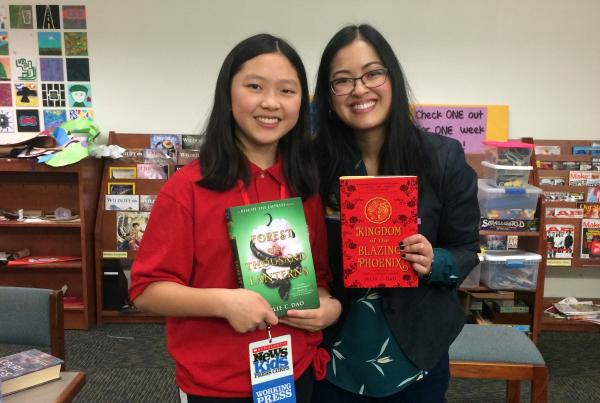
(377,213)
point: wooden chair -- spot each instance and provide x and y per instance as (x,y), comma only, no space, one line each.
(33,317)
(500,352)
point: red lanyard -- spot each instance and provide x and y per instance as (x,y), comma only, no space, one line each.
(282,192)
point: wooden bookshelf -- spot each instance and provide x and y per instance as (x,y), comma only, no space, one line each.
(106,224)
(25,184)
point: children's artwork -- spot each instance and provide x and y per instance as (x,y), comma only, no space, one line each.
(3,16)
(53,95)
(121,188)
(28,120)
(49,43)
(25,68)
(54,118)
(122,172)
(74,17)
(5,95)
(26,94)
(3,43)
(76,44)
(81,113)
(130,229)
(78,69)
(7,121)
(4,69)
(152,171)
(80,96)
(21,17)
(147,202)
(48,17)
(51,69)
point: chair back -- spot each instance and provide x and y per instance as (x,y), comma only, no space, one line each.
(32,317)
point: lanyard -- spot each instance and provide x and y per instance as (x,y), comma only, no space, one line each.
(282,192)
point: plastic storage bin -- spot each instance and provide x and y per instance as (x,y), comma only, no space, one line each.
(510,270)
(506,176)
(507,204)
(472,280)
(508,152)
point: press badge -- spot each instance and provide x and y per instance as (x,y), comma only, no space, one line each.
(272,370)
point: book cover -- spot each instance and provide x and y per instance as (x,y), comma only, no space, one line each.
(165,141)
(547,150)
(493,242)
(584,178)
(147,202)
(492,224)
(272,255)
(130,229)
(121,202)
(376,214)
(590,210)
(560,241)
(186,156)
(590,238)
(564,212)
(26,369)
(553,181)
(153,171)
(191,141)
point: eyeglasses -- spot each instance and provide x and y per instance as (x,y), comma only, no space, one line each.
(371,79)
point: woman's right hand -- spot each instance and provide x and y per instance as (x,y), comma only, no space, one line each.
(247,310)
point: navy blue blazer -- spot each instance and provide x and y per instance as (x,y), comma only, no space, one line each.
(425,320)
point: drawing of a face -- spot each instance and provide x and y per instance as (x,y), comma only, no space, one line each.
(78,96)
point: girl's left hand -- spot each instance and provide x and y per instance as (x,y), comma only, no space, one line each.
(315,319)
(418,250)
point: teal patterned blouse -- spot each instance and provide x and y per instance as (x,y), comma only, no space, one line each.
(365,358)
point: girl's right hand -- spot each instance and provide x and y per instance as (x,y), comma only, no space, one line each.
(247,310)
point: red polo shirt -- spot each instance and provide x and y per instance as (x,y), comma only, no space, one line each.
(186,241)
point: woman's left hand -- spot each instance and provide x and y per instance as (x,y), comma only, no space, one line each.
(418,250)
(315,319)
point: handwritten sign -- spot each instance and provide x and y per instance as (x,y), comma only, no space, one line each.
(470,125)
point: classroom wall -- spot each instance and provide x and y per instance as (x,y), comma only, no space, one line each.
(154,63)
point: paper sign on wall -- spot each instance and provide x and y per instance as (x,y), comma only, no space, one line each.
(469,124)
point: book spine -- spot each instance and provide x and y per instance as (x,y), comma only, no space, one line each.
(234,250)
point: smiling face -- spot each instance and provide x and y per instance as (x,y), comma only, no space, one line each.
(265,101)
(364,109)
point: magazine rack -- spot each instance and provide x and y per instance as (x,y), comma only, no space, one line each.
(25,184)
(108,258)
(566,147)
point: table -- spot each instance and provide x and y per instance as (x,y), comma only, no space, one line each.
(62,390)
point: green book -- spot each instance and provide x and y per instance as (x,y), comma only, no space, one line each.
(271,253)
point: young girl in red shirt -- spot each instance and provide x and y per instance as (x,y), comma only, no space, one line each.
(256,148)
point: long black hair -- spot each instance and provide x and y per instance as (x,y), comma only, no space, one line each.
(222,162)
(403,151)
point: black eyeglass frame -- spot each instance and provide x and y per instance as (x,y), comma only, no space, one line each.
(354,79)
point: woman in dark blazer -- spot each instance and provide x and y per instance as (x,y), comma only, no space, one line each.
(392,344)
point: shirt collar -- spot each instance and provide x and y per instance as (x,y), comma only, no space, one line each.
(275,170)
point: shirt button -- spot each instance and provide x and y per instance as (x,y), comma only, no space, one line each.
(262,175)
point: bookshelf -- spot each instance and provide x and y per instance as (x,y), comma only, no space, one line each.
(25,184)
(576,261)
(106,234)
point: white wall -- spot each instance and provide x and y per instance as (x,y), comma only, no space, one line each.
(154,63)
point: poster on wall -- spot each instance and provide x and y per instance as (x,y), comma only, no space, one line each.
(44,66)
(469,124)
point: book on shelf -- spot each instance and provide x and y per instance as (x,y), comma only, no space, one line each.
(376,214)
(27,369)
(510,306)
(492,294)
(272,254)
(41,260)
(590,238)
(559,238)
(493,224)
(590,210)
(191,141)
(584,178)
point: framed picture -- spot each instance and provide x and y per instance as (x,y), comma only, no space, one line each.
(121,188)
(122,172)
